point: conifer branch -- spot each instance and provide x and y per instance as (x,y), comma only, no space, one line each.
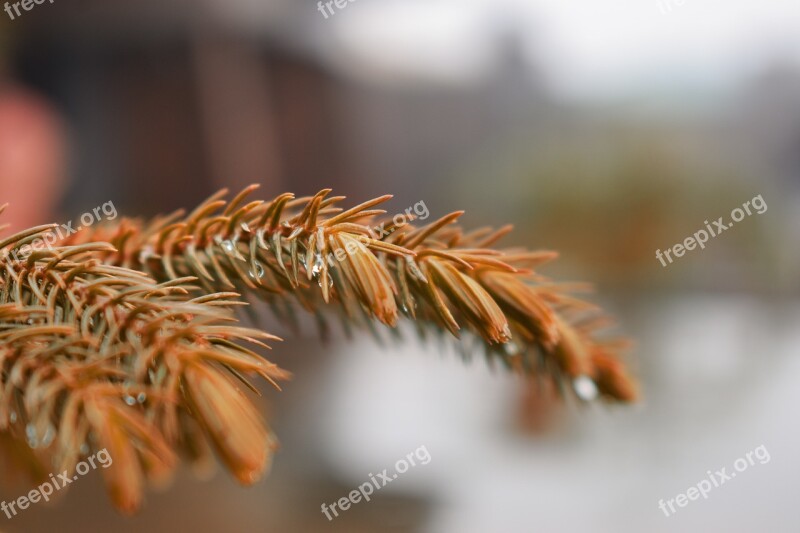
(320,255)
(96,356)
(124,338)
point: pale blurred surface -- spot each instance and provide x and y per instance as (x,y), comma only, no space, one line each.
(604,130)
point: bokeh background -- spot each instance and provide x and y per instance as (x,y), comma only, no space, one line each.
(605,130)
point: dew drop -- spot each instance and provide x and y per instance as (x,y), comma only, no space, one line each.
(32,437)
(227,245)
(141,398)
(130,400)
(146,253)
(258,271)
(317,268)
(49,435)
(511,348)
(330,282)
(84,448)
(13,417)
(585,388)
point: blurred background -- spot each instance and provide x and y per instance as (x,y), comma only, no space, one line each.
(604,130)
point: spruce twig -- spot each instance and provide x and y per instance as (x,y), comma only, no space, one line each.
(124,338)
(96,356)
(320,255)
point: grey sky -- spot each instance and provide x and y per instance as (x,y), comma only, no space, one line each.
(588,48)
